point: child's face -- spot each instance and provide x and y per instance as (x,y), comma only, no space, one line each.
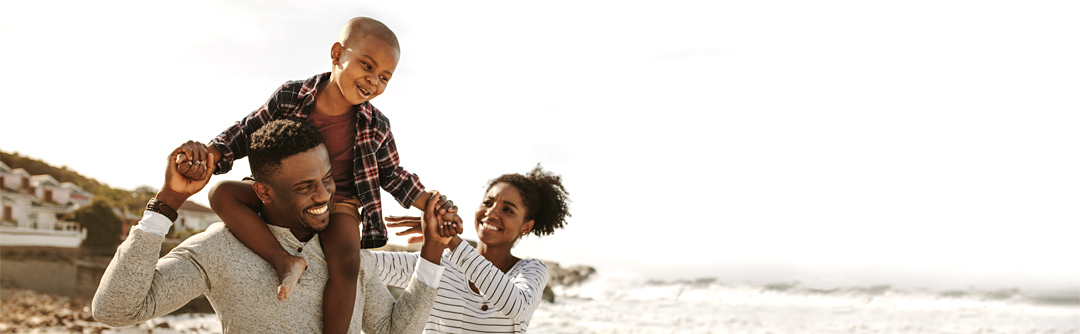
(363,67)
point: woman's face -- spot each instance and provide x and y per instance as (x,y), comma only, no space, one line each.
(500,219)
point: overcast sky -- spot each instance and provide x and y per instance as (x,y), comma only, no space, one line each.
(914,143)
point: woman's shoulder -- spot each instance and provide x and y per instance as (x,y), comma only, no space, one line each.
(532,264)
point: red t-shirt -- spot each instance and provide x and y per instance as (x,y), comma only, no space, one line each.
(340,134)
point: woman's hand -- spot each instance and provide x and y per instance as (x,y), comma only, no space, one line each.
(412,223)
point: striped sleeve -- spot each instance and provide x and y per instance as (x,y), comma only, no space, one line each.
(516,296)
(395,268)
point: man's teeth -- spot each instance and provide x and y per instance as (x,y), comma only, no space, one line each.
(489,227)
(319,210)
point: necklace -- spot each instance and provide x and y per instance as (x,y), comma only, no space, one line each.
(511,258)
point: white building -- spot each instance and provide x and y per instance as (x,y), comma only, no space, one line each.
(195,217)
(33,208)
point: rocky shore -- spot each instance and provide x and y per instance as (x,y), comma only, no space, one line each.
(25,311)
(557,275)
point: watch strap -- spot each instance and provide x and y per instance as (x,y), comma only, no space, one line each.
(160,207)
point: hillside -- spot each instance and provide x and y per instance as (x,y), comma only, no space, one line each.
(133,200)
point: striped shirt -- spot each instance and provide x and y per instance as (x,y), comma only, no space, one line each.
(511,297)
(375,163)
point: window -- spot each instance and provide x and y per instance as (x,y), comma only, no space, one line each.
(7,213)
(48,195)
(26,183)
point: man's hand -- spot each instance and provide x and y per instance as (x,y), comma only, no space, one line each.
(449,221)
(177,187)
(196,157)
(430,224)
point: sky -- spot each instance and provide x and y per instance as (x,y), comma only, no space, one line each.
(924,144)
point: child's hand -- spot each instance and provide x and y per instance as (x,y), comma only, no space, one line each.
(196,161)
(431,222)
(449,220)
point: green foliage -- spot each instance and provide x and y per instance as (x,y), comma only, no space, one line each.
(102,225)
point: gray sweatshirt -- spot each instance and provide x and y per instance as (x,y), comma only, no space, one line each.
(242,287)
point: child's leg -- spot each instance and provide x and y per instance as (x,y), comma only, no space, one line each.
(341,244)
(237,206)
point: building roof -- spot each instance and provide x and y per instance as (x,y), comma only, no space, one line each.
(189,205)
(44,179)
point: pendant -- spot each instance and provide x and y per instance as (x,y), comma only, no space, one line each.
(484,307)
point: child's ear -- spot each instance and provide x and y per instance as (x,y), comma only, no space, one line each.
(335,53)
(262,190)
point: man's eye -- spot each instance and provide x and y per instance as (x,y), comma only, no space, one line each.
(366,65)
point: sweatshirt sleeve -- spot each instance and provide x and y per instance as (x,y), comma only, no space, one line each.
(517,296)
(137,286)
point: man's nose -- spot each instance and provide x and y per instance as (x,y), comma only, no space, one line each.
(322,193)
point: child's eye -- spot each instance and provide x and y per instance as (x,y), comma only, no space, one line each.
(384,78)
(487,203)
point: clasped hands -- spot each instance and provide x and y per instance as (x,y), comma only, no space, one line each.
(440,221)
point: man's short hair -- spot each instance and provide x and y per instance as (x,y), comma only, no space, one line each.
(276,141)
(364,26)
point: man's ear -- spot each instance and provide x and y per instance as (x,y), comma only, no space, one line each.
(527,227)
(335,53)
(262,190)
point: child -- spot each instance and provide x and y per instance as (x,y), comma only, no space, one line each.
(363,156)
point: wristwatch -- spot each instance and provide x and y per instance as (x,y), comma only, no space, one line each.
(160,207)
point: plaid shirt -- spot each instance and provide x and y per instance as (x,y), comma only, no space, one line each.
(375,161)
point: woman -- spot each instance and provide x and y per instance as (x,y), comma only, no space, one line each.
(488,289)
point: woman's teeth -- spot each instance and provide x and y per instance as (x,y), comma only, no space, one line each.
(489,227)
(319,210)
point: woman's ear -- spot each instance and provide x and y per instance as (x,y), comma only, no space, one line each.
(527,227)
(262,190)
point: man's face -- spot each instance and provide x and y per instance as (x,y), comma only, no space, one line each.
(303,188)
(364,68)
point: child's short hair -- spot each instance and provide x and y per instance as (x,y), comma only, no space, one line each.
(363,26)
(278,140)
(544,196)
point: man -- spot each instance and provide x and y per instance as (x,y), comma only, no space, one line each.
(295,185)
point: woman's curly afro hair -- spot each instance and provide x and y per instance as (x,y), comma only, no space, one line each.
(544,196)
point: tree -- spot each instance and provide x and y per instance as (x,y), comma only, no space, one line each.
(102,225)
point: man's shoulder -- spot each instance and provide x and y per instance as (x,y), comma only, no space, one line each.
(217,235)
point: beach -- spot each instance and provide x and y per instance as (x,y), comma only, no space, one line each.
(629,305)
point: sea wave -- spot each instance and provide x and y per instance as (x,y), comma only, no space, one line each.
(602,288)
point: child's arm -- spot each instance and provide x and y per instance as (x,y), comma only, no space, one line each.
(237,205)
(406,186)
(233,143)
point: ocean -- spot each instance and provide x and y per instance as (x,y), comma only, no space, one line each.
(628,305)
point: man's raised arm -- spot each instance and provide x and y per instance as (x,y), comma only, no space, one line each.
(136,285)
